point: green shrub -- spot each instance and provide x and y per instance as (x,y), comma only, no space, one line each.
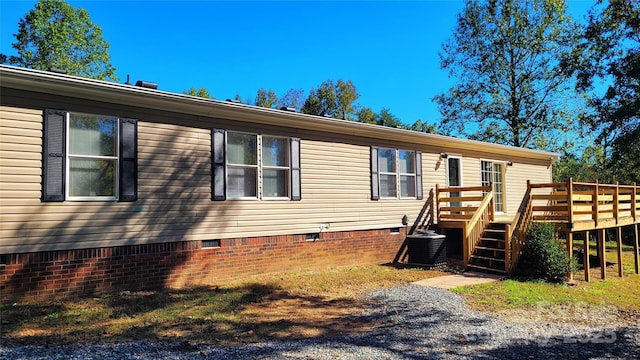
(541,256)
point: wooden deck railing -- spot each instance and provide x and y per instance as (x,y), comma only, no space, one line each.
(516,231)
(467,208)
(584,206)
(572,206)
(460,203)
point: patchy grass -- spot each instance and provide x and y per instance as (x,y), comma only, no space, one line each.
(617,297)
(286,306)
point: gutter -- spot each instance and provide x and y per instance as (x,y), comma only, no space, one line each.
(98,90)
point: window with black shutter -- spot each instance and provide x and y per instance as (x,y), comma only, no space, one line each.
(89,157)
(396,174)
(249,166)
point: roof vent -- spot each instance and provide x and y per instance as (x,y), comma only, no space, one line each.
(57,70)
(234,101)
(285,108)
(146,84)
(128,80)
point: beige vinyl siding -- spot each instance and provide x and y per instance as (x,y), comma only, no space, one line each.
(174,194)
(516,183)
(174,188)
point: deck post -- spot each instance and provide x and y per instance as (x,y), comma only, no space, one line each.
(595,205)
(586,257)
(616,205)
(438,202)
(570,224)
(570,202)
(492,205)
(570,251)
(465,245)
(619,243)
(603,254)
(507,248)
(633,204)
(636,255)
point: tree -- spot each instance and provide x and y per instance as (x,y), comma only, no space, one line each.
(265,98)
(510,89)
(610,54)
(588,167)
(322,100)
(201,92)
(422,126)
(292,98)
(332,99)
(346,94)
(56,35)
(367,115)
(386,118)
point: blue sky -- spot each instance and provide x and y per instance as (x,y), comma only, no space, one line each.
(388,49)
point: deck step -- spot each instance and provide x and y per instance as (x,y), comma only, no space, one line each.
(486,258)
(491,239)
(486,268)
(489,248)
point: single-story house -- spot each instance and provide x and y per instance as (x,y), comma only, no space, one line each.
(107,186)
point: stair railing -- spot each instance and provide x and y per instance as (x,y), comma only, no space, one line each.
(474,228)
(515,232)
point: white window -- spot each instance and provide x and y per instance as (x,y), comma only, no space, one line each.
(388,173)
(92,157)
(407,172)
(242,165)
(397,170)
(275,167)
(258,166)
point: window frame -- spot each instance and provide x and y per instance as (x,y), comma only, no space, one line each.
(377,174)
(69,157)
(260,167)
(233,165)
(386,173)
(55,171)
(414,174)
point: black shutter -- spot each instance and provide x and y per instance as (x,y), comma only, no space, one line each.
(419,195)
(53,155)
(128,160)
(296,193)
(375,177)
(218,176)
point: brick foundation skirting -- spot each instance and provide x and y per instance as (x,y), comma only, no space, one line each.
(96,271)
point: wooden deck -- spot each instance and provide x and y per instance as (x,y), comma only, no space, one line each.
(574,207)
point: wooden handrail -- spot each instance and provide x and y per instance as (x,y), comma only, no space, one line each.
(515,232)
(474,227)
(484,205)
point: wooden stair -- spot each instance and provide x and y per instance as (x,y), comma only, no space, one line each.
(489,255)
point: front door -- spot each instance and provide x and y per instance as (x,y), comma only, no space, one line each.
(493,172)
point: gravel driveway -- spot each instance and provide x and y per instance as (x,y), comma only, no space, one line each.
(419,323)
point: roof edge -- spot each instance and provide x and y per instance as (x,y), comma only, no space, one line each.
(91,89)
